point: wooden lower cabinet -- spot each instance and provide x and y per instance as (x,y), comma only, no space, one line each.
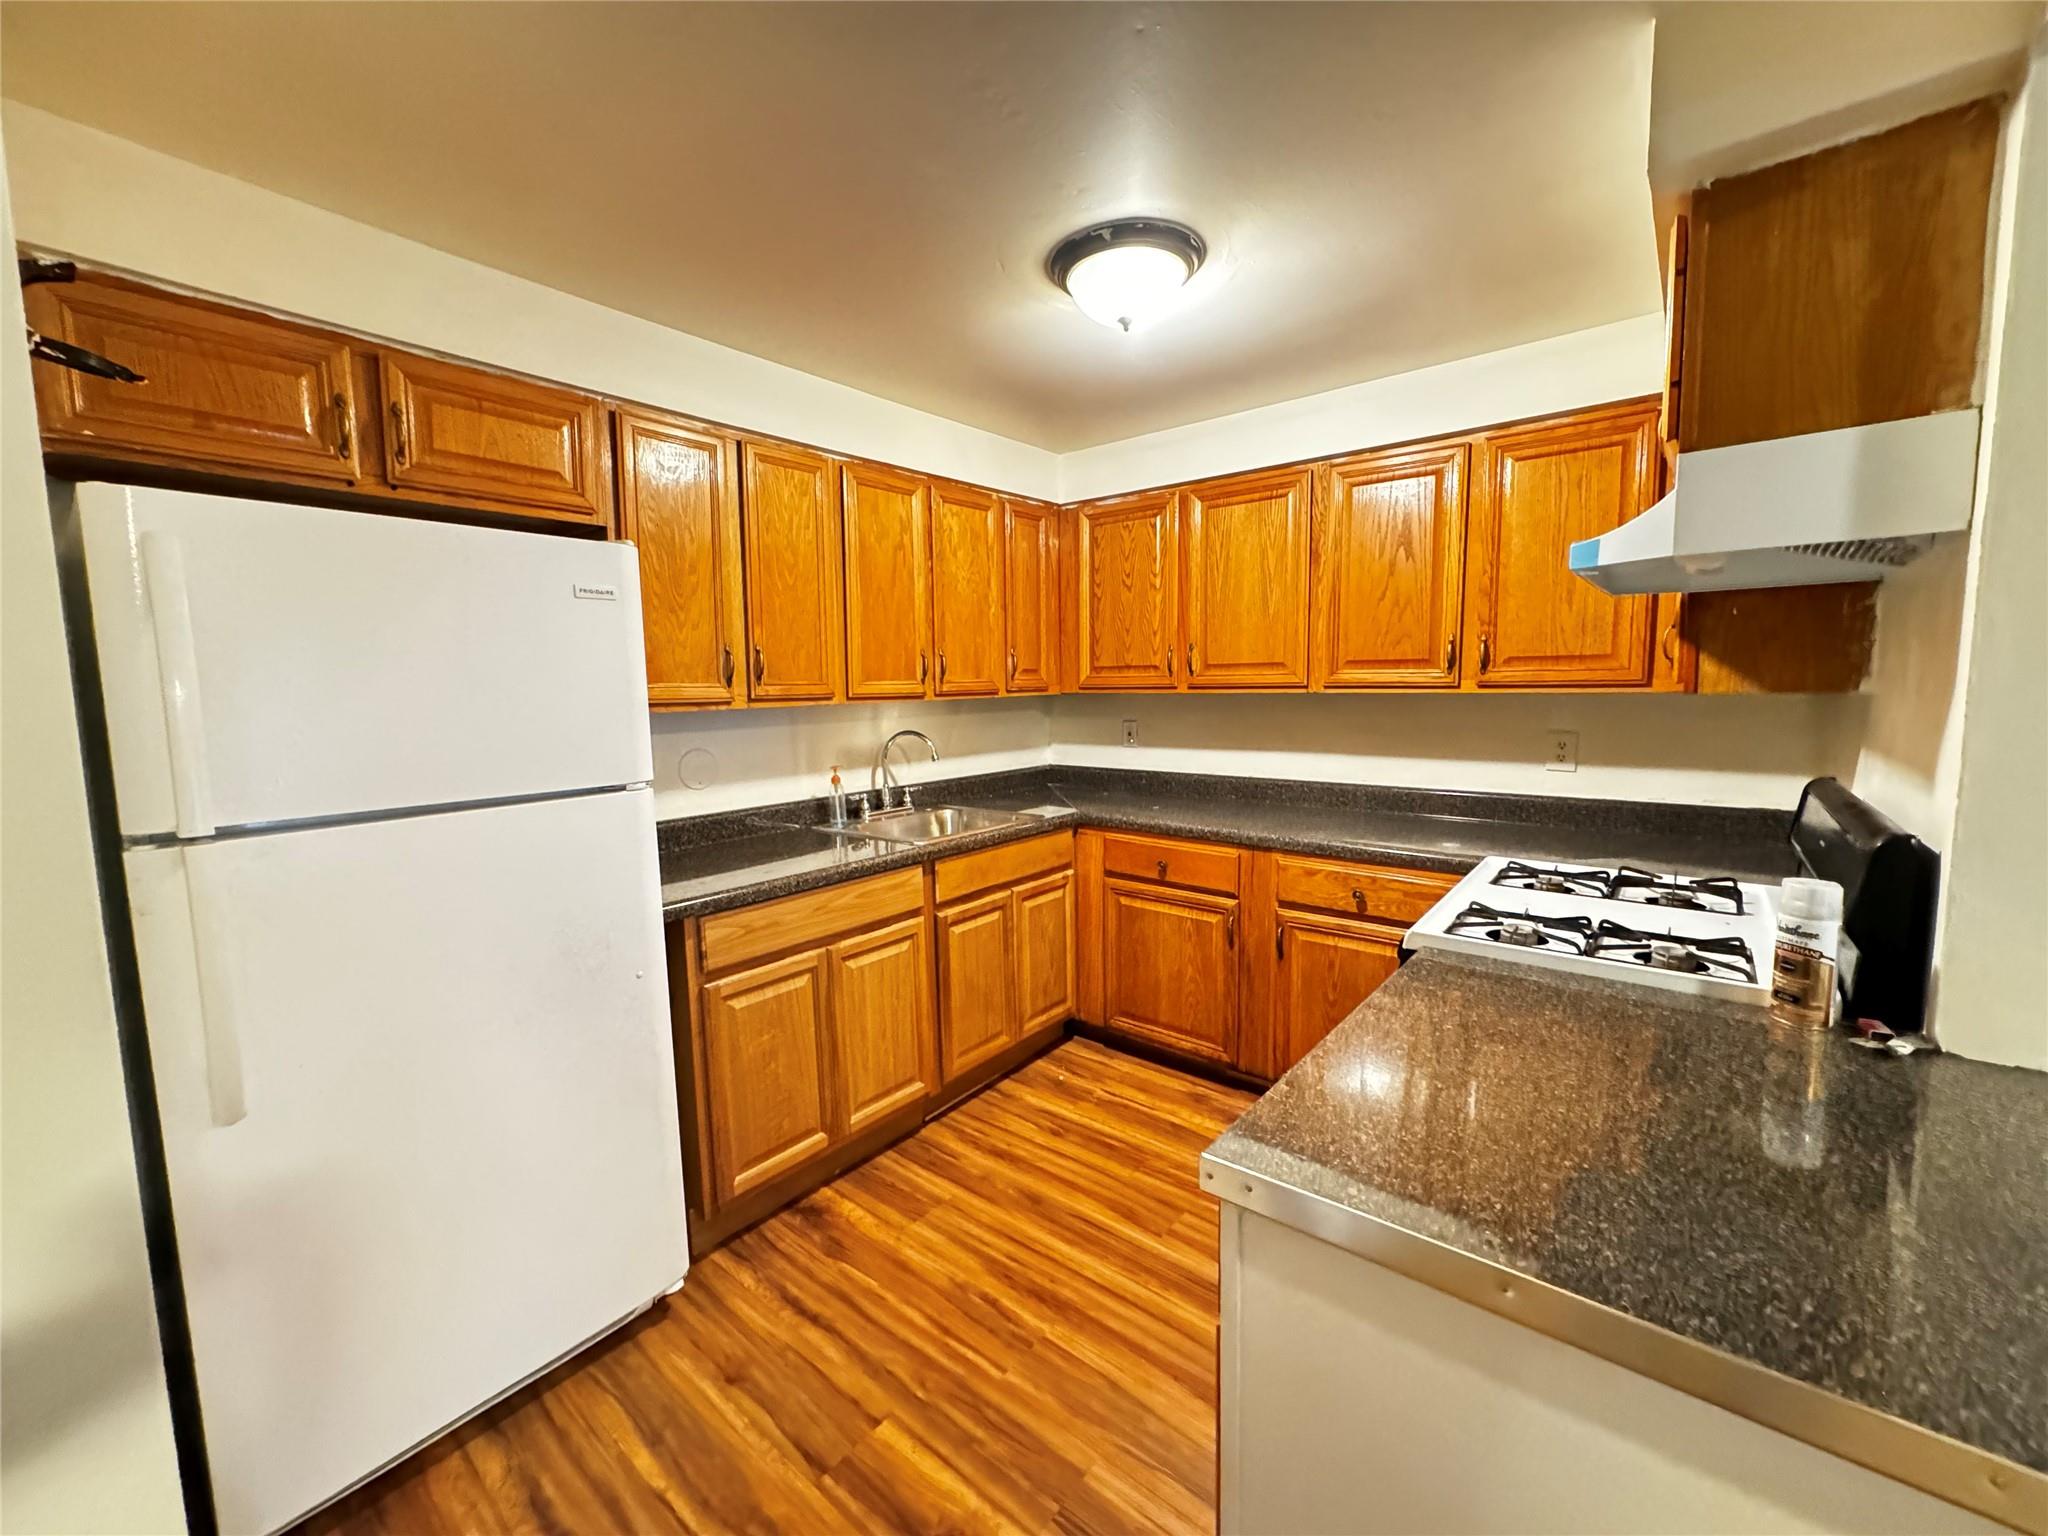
(882,1033)
(766,1038)
(1170,973)
(977,999)
(1324,967)
(1007,949)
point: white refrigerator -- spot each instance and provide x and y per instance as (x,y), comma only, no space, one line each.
(388,840)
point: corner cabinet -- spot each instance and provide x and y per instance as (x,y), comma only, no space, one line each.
(1128,615)
(1529,622)
(679,505)
(789,511)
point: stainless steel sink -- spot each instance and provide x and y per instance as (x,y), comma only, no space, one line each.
(929,824)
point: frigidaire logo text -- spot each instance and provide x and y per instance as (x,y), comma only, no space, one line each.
(596,594)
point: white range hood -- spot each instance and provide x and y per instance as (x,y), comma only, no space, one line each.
(1849,505)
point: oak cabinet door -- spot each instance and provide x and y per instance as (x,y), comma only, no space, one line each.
(1045,951)
(883,1038)
(1170,967)
(495,440)
(1327,967)
(977,1001)
(1246,543)
(1530,621)
(765,1053)
(679,505)
(1390,554)
(967,591)
(789,507)
(1031,605)
(1129,618)
(888,560)
(218,389)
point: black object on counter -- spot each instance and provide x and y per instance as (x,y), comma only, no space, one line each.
(1890,881)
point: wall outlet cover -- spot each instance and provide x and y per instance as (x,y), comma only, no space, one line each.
(1130,733)
(1561,752)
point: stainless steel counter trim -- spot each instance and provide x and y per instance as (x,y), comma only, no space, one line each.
(1989,1485)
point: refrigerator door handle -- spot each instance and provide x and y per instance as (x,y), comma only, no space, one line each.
(177,664)
(219,1027)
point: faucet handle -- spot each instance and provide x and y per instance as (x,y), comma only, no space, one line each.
(905,792)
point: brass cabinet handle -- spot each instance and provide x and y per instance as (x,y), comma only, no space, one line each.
(923,664)
(1169,661)
(1451,654)
(1358,896)
(1230,930)
(1162,869)
(1191,658)
(942,666)
(1671,641)
(760,665)
(398,447)
(1013,663)
(1484,657)
(1280,941)
(725,664)
(344,428)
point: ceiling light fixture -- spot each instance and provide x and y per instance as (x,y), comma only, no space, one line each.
(1128,271)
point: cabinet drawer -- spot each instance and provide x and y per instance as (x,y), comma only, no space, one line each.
(1203,866)
(1357,890)
(750,933)
(1012,862)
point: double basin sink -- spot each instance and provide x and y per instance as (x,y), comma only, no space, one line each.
(929,824)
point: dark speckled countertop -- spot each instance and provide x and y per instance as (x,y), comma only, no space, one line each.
(713,863)
(1871,1226)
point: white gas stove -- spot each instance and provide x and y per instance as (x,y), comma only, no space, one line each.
(1705,935)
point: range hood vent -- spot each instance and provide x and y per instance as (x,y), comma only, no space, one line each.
(1849,505)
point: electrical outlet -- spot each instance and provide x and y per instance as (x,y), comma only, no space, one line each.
(1130,733)
(1563,752)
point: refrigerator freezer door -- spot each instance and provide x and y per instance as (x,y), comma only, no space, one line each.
(419,1117)
(264,663)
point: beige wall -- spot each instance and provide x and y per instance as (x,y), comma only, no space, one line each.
(85,1430)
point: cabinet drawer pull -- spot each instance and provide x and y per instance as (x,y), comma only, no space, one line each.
(1358,895)
(1162,869)
(1484,657)
(725,664)
(344,428)
(398,446)
(760,665)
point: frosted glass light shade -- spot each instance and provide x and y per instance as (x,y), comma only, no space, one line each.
(1127,285)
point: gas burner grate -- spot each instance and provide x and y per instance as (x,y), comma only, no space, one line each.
(1715,893)
(1720,956)
(1518,876)
(1524,930)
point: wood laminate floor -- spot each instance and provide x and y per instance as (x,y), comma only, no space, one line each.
(1005,1323)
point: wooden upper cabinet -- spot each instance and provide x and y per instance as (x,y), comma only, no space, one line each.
(1031,596)
(1390,556)
(1246,589)
(789,507)
(1529,622)
(1862,264)
(494,440)
(1128,619)
(679,505)
(768,1071)
(888,560)
(884,1041)
(967,591)
(240,391)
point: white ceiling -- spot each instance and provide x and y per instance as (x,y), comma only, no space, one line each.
(868,192)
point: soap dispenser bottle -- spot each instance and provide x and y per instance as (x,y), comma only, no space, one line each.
(838,799)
